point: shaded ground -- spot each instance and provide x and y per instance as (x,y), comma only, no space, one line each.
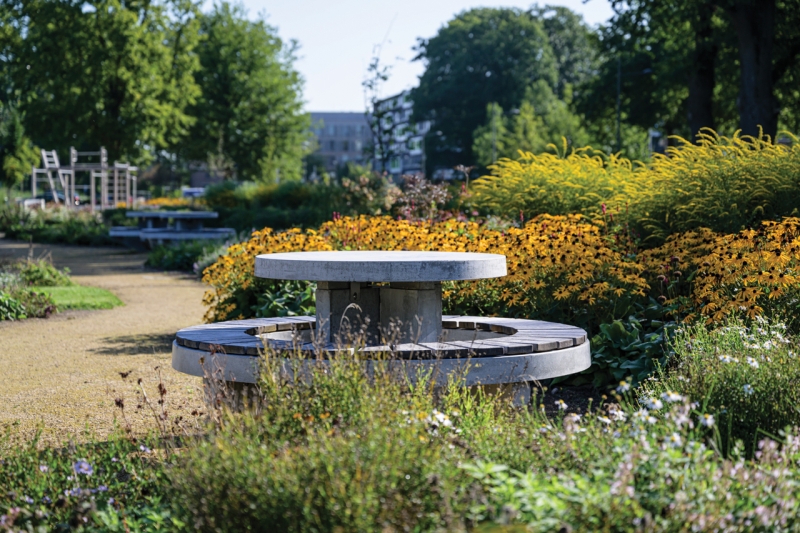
(63,374)
(578,399)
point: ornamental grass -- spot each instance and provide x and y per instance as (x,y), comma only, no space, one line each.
(723,183)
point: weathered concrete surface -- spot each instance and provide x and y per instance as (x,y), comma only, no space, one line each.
(380,266)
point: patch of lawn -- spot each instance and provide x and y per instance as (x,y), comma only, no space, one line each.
(81,297)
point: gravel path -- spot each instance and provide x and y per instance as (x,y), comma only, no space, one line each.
(62,375)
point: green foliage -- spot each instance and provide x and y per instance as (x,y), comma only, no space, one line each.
(80,297)
(542,119)
(631,349)
(181,256)
(286,298)
(20,299)
(17,153)
(104,73)
(574,47)
(483,55)
(11,308)
(346,449)
(725,184)
(42,273)
(118,485)
(21,302)
(54,226)
(746,375)
(249,206)
(249,117)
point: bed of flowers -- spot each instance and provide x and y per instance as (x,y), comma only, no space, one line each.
(695,351)
(710,444)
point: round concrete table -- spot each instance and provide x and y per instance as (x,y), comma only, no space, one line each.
(381,297)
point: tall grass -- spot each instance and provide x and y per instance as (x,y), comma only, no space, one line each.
(722,183)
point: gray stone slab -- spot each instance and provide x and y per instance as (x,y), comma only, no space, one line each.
(380,266)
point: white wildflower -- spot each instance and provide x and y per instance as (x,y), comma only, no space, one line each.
(671,397)
(654,404)
(748,390)
(707,420)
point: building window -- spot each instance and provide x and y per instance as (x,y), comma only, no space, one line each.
(394,164)
(345,146)
(332,145)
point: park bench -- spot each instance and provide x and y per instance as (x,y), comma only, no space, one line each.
(158,227)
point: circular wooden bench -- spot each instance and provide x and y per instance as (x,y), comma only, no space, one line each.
(491,351)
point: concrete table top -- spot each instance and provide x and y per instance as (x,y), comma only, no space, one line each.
(380,266)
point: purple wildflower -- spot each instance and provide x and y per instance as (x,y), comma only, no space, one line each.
(83,467)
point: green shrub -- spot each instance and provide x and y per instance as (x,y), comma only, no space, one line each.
(10,308)
(42,273)
(248,206)
(286,298)
(18,301)
(181,256)
(339,451)
(55,225)
(747,377)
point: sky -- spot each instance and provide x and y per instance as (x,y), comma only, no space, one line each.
(338,38)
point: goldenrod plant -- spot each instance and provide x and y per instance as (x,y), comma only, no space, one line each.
(723,183)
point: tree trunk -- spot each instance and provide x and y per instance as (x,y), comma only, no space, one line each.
(754,22)
(702,75)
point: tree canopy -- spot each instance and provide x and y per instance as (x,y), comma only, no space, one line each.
(249,115)
(481,56)
(541,119)
(17,153)
(688,64)
(105,72)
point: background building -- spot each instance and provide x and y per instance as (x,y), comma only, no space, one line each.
(341,137)
(403,138)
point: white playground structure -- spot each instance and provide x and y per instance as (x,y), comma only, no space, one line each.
(117,182)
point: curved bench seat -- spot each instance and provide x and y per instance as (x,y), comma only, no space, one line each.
(497,350)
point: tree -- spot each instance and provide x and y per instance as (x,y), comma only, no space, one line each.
(574,46)
(17,154)
(481,56)
(699,53)
(250,111)
(769,44)
(116,73)
(542,119)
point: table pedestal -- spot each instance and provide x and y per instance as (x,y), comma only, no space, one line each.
(396,313)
